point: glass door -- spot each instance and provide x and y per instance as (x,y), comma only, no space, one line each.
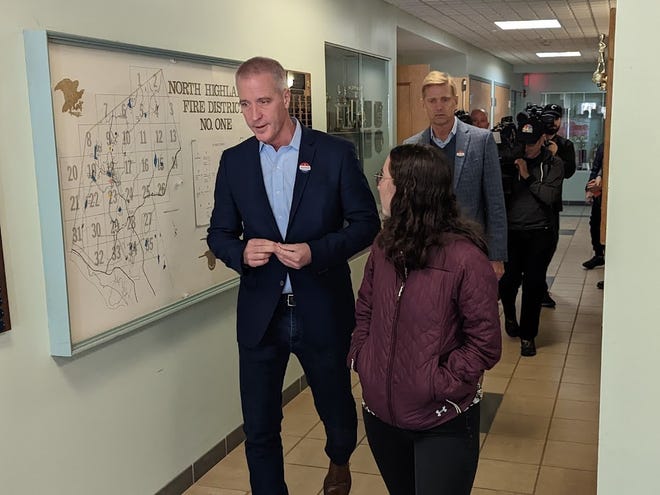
(584,114)
(358,104)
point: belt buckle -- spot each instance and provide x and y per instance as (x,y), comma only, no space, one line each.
(290,301)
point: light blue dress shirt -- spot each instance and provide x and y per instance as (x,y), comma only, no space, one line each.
(279,171)
(444,143)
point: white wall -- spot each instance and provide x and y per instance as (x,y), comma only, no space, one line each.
(127,417)
(629,444)
(468,59)
(481,64)
(557,68)
(570,82)
(453,63)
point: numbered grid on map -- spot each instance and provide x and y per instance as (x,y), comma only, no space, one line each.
(128,162)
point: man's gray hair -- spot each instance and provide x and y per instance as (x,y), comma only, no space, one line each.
(261,65)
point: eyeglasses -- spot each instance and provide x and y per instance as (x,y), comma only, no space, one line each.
(379,177)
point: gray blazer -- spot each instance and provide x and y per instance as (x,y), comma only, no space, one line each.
(477,183)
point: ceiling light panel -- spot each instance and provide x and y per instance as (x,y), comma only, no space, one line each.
(558,54)
(536,24)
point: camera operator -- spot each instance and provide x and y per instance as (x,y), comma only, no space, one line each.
(531,229)
(463,116)
(564,149)
(508,150)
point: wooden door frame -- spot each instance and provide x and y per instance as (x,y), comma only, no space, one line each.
(608,125)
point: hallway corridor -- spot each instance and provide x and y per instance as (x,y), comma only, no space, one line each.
(539,415)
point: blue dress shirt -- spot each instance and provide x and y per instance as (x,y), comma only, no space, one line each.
(279,171)
(440,142)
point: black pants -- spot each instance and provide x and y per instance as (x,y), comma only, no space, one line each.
(530,252)
(555,243)
(594,226)
(262,374)
(440,461)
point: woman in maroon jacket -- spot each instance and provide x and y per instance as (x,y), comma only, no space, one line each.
(427,328)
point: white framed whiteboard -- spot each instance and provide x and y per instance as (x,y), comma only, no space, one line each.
(127,143)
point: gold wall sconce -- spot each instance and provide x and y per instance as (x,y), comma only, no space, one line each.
(600,75)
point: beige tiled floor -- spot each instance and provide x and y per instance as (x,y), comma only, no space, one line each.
(544,438)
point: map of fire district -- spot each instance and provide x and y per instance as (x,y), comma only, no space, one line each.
(136,180)
(130,164)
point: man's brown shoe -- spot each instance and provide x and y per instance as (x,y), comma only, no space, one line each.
(337,481)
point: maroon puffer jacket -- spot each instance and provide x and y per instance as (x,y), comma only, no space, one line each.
(420,350)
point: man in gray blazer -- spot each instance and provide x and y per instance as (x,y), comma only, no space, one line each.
(473,152)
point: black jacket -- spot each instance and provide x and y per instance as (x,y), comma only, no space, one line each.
(332,210)
(597,165)
(566,151)
(534,201)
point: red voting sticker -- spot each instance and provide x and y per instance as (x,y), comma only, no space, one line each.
(304,167)
(460,153)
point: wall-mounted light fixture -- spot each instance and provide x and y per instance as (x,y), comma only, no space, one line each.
(600,75)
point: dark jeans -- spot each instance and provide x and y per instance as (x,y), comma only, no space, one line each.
(262,375)
(439,461)
(594,227)
(555,243)
(530,252)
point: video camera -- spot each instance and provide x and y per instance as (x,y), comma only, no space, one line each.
(540,113)
(511,143)
(508,150)
(463,116)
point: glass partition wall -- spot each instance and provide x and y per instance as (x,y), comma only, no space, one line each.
(582,123)
(358,105)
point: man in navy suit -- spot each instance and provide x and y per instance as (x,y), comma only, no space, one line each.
(291,207)
(473,152)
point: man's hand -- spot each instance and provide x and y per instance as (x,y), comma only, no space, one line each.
(552,147)
(294,255)
(257,252)
(498,268)
(598,183)
(595,186)
(521,164)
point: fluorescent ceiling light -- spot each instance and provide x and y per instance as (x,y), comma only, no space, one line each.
(558,54)
(539,24)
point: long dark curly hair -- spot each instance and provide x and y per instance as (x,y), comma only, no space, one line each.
(423,210)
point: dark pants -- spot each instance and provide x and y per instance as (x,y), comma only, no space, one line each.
(440,461)
(555,243)
(594,227)
(530,252)
(262,375)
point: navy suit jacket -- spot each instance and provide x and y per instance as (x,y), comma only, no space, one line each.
(332,210)
(477,183)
